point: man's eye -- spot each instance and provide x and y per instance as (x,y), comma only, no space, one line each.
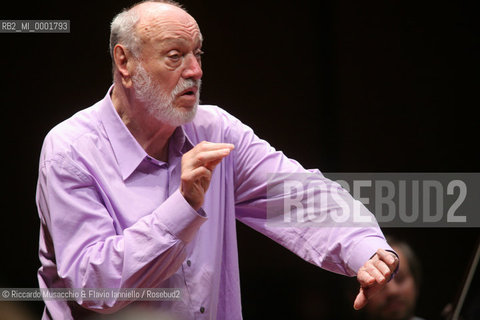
(174,56)
(199,53)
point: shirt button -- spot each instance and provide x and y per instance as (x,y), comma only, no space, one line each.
(202,309)
(189,263)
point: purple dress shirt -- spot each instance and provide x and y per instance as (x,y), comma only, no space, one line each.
(113,217)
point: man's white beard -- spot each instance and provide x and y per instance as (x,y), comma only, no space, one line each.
(159,103)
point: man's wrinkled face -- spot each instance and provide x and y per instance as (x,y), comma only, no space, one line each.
(160,103)
(167,76)
(397,299)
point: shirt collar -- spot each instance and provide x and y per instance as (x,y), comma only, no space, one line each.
(128,152)
(179,143)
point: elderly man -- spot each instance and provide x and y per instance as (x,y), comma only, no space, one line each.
(142,189)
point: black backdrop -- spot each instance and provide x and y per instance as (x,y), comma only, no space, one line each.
(343,86)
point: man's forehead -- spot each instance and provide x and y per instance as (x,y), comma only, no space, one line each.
(160,20)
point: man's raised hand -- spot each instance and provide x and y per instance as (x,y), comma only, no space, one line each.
(374,275)
(197,169)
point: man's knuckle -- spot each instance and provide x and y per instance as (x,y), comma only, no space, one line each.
(205,171)
(372,270)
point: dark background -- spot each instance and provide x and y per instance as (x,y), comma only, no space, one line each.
(343,86)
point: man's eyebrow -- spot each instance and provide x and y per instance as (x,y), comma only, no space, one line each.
(174,39)
(179,40)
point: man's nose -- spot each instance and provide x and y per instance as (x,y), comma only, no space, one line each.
(193,68)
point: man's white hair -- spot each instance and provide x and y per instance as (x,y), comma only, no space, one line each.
(122,28)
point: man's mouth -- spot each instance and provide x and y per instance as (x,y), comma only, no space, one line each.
(189,92)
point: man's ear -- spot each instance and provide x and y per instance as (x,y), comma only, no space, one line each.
(123,60)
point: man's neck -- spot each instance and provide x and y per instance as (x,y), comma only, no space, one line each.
(151,134)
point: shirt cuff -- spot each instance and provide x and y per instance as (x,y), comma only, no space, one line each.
(394,273)
(180,218)
(365,249)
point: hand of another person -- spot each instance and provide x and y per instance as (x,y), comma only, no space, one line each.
(197,168)
(374,275)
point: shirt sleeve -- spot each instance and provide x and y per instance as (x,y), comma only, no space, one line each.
(90,253)
(336,247)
